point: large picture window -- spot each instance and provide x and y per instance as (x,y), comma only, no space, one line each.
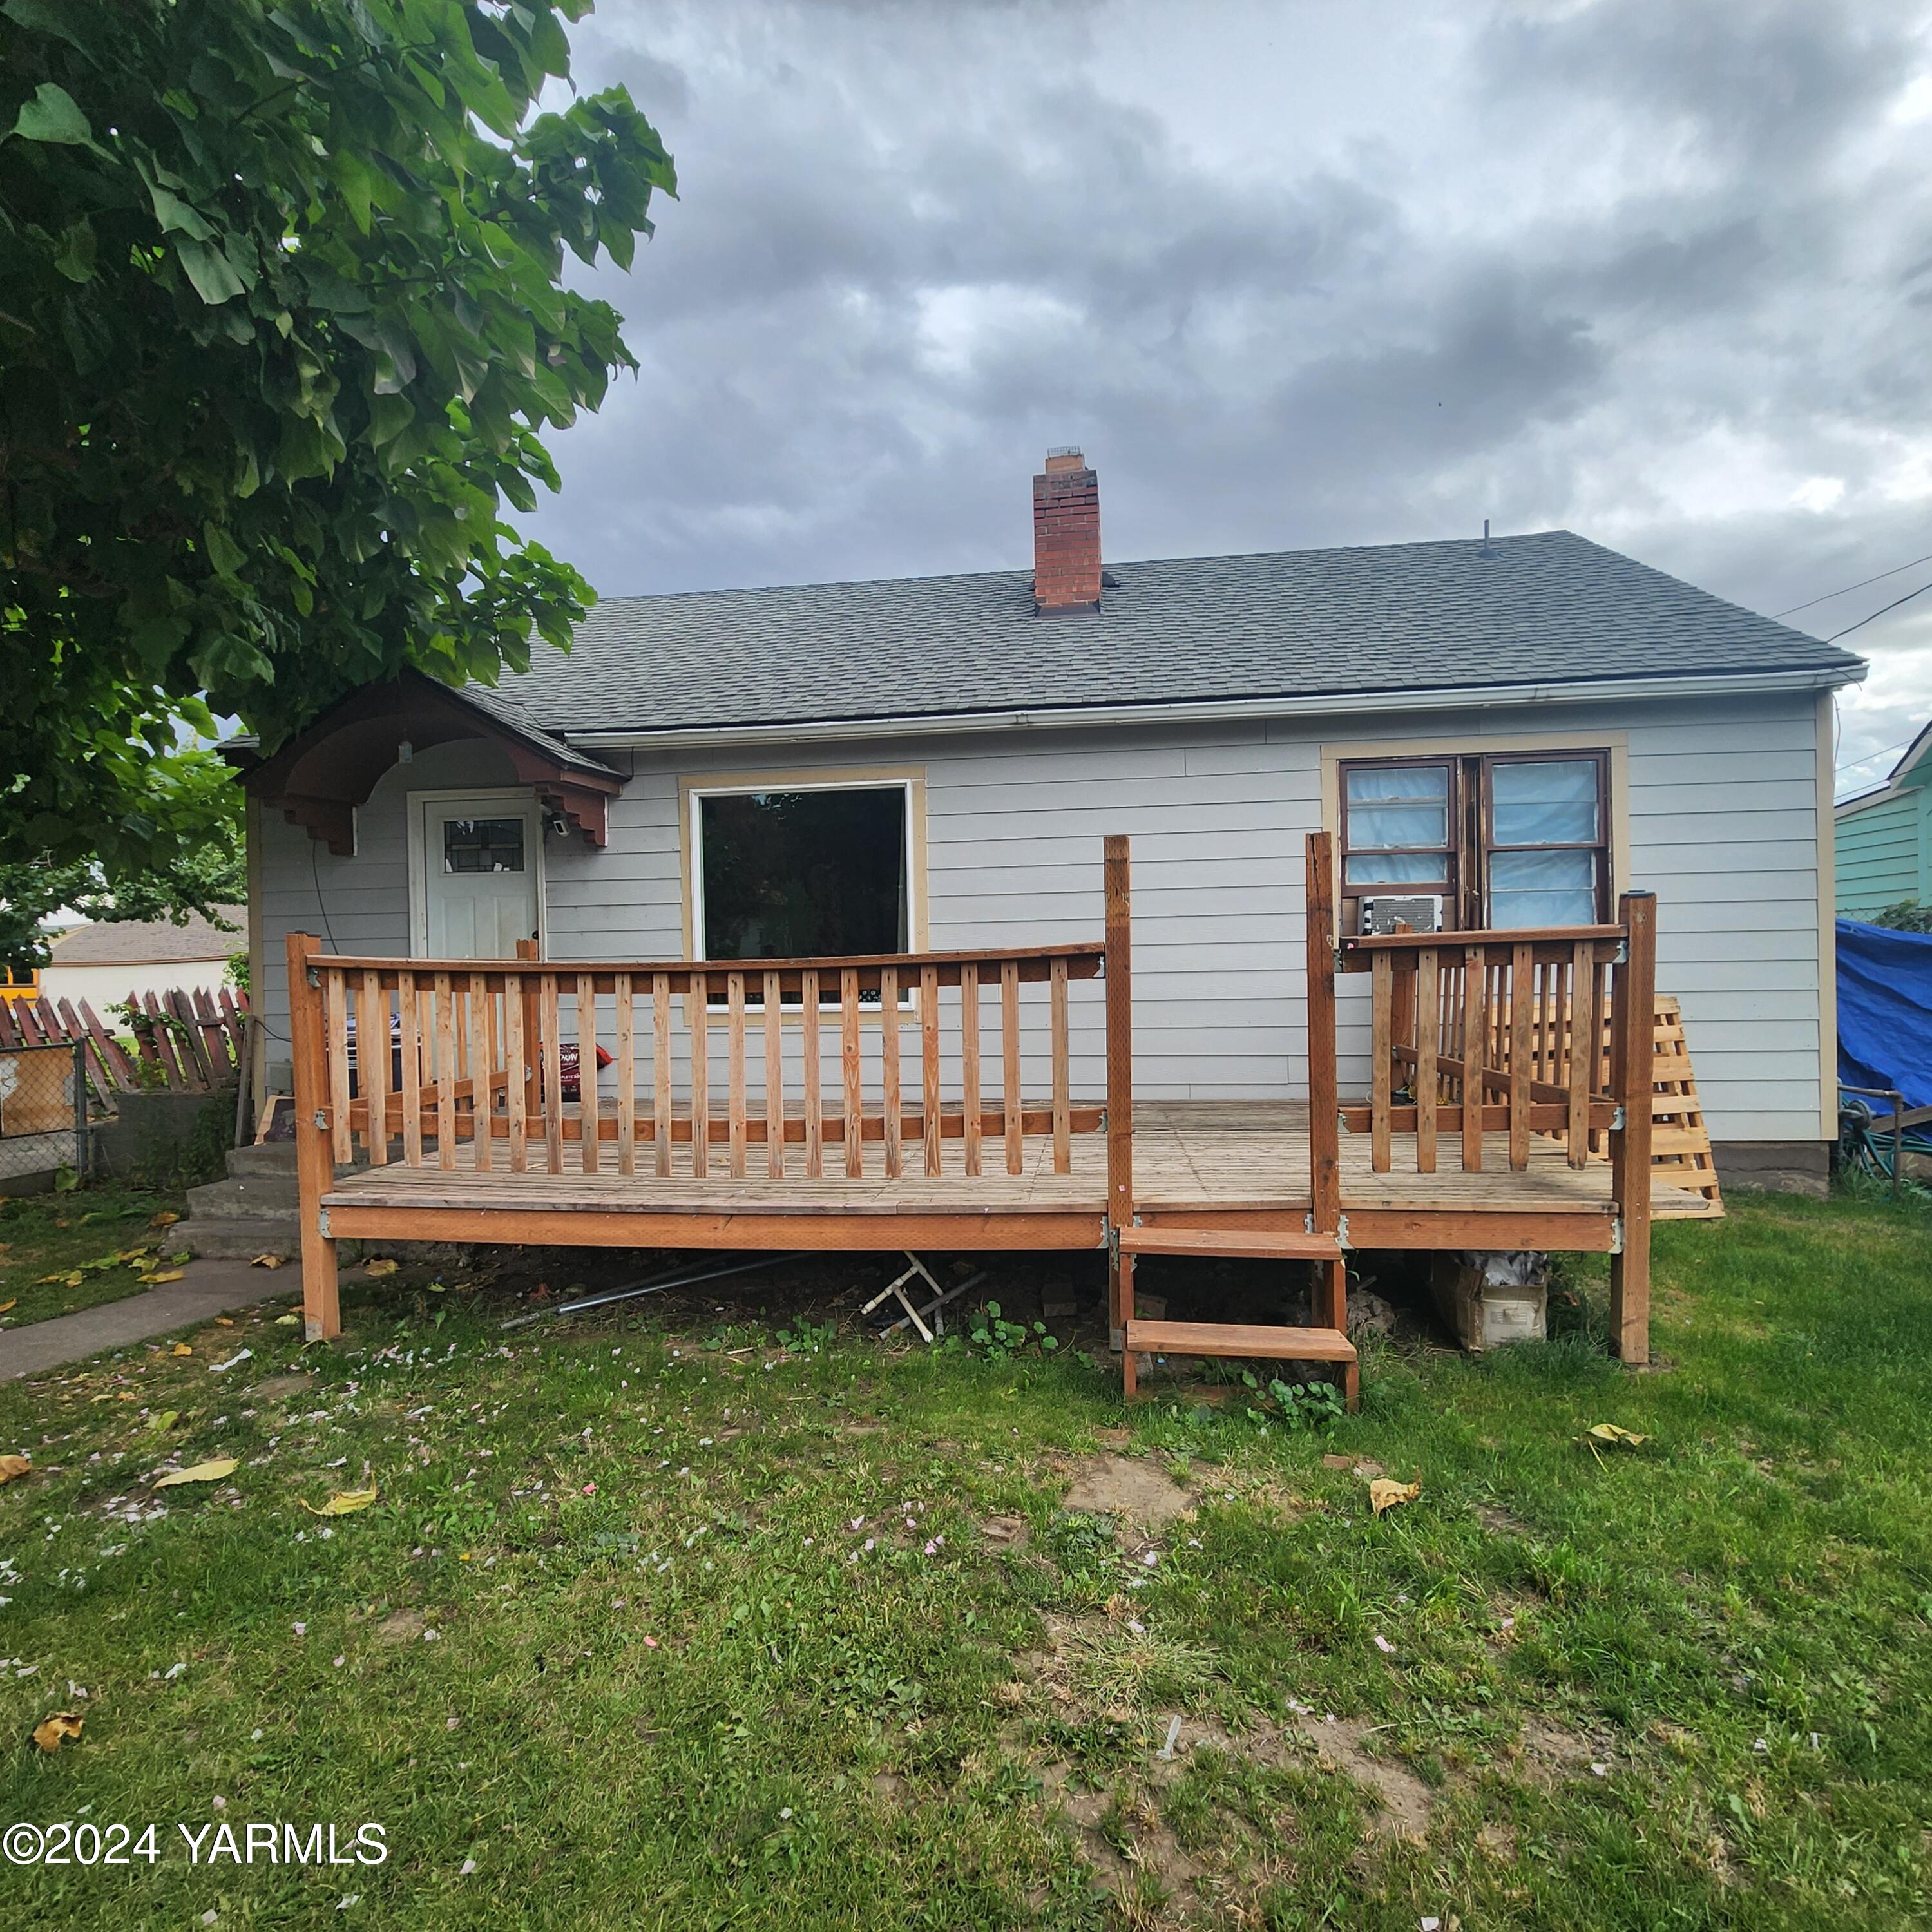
(1505,839)
(820,871)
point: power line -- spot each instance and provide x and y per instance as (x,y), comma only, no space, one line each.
(1849,588)
(1878,614)
(1852,764)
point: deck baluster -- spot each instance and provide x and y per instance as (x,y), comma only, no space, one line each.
(889,1070)
(928,1034)
(775,1099)
(814,1074)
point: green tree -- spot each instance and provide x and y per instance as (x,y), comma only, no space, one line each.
(282,313)
(196,875)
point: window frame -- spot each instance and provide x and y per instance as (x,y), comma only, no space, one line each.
(1488,845)
(910,785)
(1451,851)
(1467,901)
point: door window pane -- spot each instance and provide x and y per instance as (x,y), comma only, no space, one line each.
(1543,803)
(803,874)
(1543,888)
(483,845)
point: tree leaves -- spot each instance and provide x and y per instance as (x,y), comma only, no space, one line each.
(211,272)
(302,308)
(199,1472)
(344,1502)
(53,116)
(52,1732)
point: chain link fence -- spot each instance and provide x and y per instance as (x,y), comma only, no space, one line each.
(43,1111)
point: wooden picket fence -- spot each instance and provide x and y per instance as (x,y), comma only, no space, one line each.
(184,1042)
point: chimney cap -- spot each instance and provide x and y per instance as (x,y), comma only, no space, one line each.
(1067,457)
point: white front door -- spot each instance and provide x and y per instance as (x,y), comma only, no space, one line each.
(480,874)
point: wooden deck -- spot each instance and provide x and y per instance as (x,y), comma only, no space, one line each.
(926,1102)
(1224,1163)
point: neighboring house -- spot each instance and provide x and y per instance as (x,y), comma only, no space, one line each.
(104,962)
(1885,837)
(1501,734)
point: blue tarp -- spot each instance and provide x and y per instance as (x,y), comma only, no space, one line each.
(1885,1010)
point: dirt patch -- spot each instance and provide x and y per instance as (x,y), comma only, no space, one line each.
(1404,1805)
(1498,1521)
(400,1626)
(1006,1532)
(1122,1487)
(1552,1753)
(888,1788)
(1152,1848)
(277,1385)
(1113,1438)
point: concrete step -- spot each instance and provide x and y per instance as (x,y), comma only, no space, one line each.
(254,1195)
(242,1239)
(270,1157)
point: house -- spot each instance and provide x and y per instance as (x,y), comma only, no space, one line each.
(1885,837)
(1499,739)
(105,962)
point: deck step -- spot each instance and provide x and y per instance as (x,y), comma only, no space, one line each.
(1229,1338)
(1230,1244)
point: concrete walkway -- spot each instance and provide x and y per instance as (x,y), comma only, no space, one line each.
(207,1289)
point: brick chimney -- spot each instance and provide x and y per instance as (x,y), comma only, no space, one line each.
(1066,534)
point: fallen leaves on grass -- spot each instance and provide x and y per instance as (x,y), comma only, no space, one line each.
(159,1424)
(1614,1436)
(160,1279)
(344,1502)
(1385,1495)
(166,1218)
(182,1348)
(382,1266)
(200,1472)
(52,1732)
(12,1468)
(287,1320)
(5,1305)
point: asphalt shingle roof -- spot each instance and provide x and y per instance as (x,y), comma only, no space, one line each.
(1551,606)
(131,942)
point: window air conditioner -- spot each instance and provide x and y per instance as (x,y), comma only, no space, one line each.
(1421,913)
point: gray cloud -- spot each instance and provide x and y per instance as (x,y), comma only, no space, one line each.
(1345,273)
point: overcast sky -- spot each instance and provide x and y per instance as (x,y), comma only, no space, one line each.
(1332,272)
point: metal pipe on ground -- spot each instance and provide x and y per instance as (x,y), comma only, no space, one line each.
(684,1275)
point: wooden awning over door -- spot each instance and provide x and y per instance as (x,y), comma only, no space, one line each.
(319,778)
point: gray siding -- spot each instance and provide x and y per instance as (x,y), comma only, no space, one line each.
(1722,825)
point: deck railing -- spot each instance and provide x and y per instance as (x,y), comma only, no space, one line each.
(1477,1033)
(715,1066)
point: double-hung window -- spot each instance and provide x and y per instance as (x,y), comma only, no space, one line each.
(1504,839)
(810,872)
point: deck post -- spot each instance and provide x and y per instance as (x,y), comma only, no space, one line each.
(1325,1117)
(315,1166)
(1119,1089)
(1633,1076)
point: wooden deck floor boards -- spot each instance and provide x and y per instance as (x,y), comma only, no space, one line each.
(1189,1157)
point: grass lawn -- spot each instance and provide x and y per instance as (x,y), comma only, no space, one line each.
(61,1253)
(659,1624)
